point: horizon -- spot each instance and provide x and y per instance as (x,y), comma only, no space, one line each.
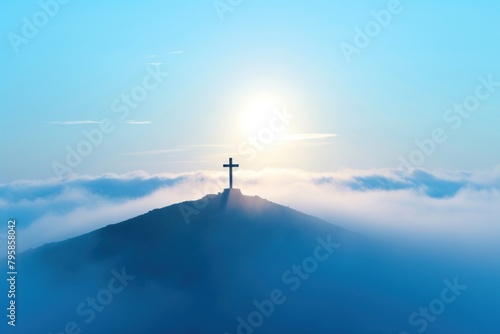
(387,204)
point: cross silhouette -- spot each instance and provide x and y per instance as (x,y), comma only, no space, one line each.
(231,165)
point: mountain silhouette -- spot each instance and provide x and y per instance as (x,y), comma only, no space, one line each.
(227,263)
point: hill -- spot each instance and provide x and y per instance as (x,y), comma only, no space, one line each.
(230,263)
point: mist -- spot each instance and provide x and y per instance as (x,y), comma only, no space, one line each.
(439,208)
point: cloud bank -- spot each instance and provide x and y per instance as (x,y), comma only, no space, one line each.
(73,122)
(438,207)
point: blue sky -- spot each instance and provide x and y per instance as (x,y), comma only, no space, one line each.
(228,71)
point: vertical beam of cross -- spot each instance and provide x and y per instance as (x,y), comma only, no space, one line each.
(230,166)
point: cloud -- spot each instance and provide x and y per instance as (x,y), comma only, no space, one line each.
(432,185)
(175,52)
(182,148)
(155,152)
(138,122)
(307,136)
(73,122)
(433,207)
(154,63)
(209,146)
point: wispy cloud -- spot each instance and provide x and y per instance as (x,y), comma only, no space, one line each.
(154,64)
(175,52)
(73,122)
(165,151)
(307,136)
(138,122)
(208,146)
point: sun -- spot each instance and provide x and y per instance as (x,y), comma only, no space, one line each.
(257,112)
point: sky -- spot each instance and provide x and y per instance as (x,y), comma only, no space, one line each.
(217,75)
(123,107)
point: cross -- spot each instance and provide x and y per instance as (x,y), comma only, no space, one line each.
(231,165)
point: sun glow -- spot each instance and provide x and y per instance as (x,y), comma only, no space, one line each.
(258,112)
